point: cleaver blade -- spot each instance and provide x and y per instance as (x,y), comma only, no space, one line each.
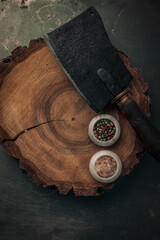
(84,51)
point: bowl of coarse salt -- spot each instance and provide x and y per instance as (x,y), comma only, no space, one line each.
(105,166)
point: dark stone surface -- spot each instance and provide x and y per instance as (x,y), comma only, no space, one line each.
(131,209)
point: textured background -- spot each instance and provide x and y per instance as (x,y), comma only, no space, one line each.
(131,209)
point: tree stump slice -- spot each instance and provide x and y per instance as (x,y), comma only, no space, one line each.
(44,121)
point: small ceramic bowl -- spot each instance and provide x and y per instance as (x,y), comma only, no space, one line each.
(105,166)
(104,130)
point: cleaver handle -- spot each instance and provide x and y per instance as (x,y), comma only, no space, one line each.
(148,134)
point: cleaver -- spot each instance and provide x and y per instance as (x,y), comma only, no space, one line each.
(87,56)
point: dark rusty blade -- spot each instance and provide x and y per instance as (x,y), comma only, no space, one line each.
(82,47)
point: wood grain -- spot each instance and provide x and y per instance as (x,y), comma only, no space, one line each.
(44,121)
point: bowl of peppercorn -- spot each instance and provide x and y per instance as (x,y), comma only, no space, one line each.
(104,130)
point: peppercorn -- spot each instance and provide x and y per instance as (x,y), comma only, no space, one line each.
(104,130)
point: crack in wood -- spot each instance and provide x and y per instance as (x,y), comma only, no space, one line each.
(37,125)
(28,129)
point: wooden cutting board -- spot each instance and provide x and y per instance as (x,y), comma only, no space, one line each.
(44,121)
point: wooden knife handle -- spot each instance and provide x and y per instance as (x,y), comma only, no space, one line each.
(149,135)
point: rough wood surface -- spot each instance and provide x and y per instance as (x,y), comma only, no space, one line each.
(44,121)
